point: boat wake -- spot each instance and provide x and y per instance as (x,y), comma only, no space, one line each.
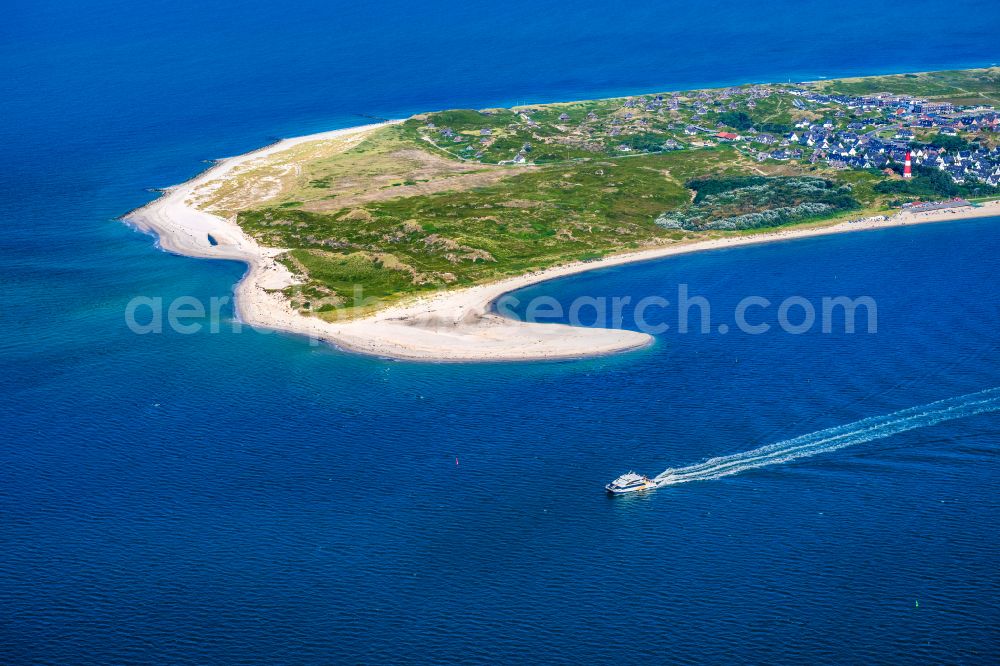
(839,437)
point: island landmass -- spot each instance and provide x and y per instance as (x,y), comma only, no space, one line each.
(395,239)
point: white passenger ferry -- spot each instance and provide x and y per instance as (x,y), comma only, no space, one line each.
(630,483)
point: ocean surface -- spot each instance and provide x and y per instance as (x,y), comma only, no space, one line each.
(247,497)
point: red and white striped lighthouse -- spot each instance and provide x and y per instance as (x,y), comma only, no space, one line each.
(907,167)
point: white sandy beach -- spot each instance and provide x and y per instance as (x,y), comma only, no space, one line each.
(450,326)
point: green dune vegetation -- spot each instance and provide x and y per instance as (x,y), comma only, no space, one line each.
(461,197)
(962,87)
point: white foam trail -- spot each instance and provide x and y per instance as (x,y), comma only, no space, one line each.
(831,439)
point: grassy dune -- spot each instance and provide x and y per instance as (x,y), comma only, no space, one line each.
(966,87)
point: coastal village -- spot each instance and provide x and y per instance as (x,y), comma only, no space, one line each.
(790,123)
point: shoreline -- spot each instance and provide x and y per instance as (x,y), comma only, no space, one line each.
(458,325)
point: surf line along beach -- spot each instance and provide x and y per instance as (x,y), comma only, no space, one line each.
(456,325)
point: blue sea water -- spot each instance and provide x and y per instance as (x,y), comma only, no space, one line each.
(249,497)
